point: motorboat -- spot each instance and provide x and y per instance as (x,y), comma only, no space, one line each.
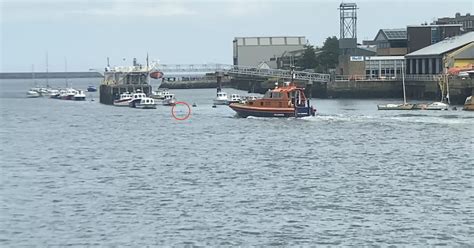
(234,98)
(136,97)
(169,100)
(392,106)
(437,106)
(469,104)
(68,94)
(221,98)
(146,103)
(32,94)
(123,100)
(91,88)
(53,93)
(285,101)
(79,96)
(159,94)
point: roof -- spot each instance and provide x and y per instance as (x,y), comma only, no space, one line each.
(395,34)
(434,25)
(444,46)
(384,58)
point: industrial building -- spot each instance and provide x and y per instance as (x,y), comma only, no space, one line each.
(391,42)
(252,51)
(467,21)
(458,50)
(421,36)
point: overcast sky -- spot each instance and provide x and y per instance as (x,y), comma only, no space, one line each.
(181,31)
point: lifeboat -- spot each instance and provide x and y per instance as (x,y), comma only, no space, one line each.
(156,74)
(285,101)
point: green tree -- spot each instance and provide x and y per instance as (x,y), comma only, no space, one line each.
(308,60)
(328,58)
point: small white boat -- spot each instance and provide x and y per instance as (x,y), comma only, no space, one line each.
(221,98)
(68,94)
(159,94)
(32,94)
(437,106)
(169,100)
(79,96)
(123,100)
(234,98)
(146,103)
(136,97)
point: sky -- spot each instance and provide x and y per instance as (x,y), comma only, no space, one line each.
(85,32)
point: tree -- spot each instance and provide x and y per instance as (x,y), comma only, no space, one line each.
(328,58)
(308,60)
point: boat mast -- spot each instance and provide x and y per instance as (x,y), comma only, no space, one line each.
(33,74)
(47,71)
(65,70)
(403,82)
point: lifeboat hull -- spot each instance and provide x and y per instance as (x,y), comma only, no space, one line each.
(245,111)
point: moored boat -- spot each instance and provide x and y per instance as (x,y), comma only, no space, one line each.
(136,97)
(234,98)
(32,94)
(91,88)
(469,104)
(146,103)
(221,98)
(68,94)
(285,101)
(79,96)
(123,100)
(159,94)
(437,106)
(169,100)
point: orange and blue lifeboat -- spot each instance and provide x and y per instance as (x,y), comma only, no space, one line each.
(285,101)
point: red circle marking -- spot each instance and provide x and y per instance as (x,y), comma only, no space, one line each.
(186,116)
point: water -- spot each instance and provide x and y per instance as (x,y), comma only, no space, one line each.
(87,174)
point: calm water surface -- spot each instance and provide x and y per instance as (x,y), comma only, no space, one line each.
(87,174)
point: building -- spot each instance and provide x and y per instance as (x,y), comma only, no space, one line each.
(384,66)
(435,58)
(467,21)
(251,51)
(391,42)
(421,36)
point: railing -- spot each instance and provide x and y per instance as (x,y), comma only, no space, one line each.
(242,70)
(427,77)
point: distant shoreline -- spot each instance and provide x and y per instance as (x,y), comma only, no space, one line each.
(42,75)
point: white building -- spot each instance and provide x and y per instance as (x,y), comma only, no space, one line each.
(251,51)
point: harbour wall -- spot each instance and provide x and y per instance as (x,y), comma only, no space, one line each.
(41,75)
(459,89)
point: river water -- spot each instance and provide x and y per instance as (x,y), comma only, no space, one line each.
(87,174)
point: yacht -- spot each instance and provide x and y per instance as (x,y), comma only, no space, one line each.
(221,98)
(437,106)
(146,103)
(394,106)
(123,100)
(68,94)
(91,88)
(32,94)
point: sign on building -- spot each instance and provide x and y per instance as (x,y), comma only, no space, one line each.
(357,58)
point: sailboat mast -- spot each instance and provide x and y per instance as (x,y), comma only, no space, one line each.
(403,82)
(65,69)
(47,71)
(33,73)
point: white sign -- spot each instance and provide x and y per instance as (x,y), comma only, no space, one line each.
(357,58)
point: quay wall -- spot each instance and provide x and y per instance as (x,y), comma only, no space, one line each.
(459,88)
(41,75)
(199,84)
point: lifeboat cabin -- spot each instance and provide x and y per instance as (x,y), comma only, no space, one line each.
(285,101)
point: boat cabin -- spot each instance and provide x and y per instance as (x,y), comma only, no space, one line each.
(287,96)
